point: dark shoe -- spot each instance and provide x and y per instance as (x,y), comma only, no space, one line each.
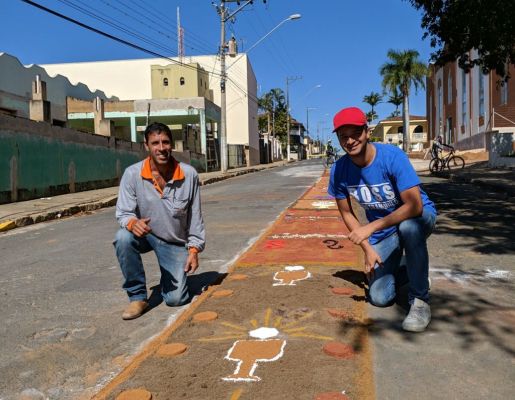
(135,309)
(418,318)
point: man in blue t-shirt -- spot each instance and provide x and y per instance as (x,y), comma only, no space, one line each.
(400,215)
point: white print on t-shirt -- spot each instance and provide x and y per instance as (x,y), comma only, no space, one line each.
(374,197)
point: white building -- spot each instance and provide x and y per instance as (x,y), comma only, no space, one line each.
(131,79)
(16,89)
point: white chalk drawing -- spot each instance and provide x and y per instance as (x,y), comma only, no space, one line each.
(307,236)
(323,204)
(262,342)
(290,275)
(463,277)
(248,353)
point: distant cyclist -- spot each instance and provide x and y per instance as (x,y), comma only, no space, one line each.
(438,147)
(330,153)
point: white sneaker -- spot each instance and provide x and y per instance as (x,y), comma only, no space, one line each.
(418,317)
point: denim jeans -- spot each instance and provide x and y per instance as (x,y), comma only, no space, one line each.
(410,238)
(171,258)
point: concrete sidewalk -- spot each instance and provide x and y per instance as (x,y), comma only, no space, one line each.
(477,173)
(14,215)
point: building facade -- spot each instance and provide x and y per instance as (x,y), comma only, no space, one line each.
(16,90)
(144,78)
(390,130)
(462,106)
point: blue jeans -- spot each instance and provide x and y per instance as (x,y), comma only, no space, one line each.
(171,258)
(410,238)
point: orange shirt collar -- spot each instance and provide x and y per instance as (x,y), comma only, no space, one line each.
(146,170)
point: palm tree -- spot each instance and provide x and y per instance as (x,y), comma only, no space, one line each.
(371,115)
(395,99)
(401,72)
(266,104)
(372,99)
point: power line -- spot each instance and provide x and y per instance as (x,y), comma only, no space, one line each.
(200,43)
(135,46)
(112,37)
(138,34)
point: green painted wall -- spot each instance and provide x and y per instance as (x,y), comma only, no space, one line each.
(49,166)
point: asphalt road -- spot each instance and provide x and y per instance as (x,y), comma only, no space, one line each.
(62,336)
(468,352)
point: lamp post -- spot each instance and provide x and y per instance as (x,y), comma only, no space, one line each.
(308,109)
(224,17)
(290,18)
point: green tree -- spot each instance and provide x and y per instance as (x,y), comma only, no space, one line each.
(395,99)
(265,105)
(371,115)
(273,104)
(401,71)
(457,26)
(373,99)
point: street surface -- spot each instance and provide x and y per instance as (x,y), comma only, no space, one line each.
(63,337)
(468,351)
(62,332)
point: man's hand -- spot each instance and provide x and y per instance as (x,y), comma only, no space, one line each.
(141,228)
(371,259)
(191,263)
(360,233)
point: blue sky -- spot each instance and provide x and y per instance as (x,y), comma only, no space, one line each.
(338,44)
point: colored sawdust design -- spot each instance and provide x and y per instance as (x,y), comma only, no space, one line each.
(291,275)
(301,343)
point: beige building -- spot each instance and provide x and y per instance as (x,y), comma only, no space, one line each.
(390,130)
(158,78)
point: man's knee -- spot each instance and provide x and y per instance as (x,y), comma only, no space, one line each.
(382,291)
(175,298)
(411,229)
(123,238)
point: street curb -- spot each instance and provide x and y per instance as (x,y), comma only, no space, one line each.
(106,202)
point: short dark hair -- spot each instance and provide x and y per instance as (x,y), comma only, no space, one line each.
(157,127)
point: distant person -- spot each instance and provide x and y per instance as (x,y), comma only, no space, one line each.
(438,147)
(158,209)
(330,153)
(400,216)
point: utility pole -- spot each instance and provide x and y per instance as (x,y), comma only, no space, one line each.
(288,80)
(223,108)
(225,15)
(180,37)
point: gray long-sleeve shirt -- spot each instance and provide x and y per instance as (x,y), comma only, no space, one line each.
(175,216)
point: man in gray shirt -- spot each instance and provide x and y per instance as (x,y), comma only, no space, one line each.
(158,209)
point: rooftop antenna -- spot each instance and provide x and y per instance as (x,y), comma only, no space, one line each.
(180,37)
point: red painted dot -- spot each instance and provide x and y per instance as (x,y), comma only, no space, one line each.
(205,316)
(340,314)
(342,291)
(338,350)
(331,396)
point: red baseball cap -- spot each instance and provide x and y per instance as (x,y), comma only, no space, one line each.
(349,116)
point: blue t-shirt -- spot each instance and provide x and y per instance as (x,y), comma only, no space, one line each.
(377,186)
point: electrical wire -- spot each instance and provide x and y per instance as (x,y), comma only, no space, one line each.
(250,96)
(108,35)
(134,33)
(199,43)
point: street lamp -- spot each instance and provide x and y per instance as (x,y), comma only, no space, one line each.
(290,18)
(224,17)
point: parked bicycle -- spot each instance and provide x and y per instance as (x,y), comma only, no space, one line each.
(449,161)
